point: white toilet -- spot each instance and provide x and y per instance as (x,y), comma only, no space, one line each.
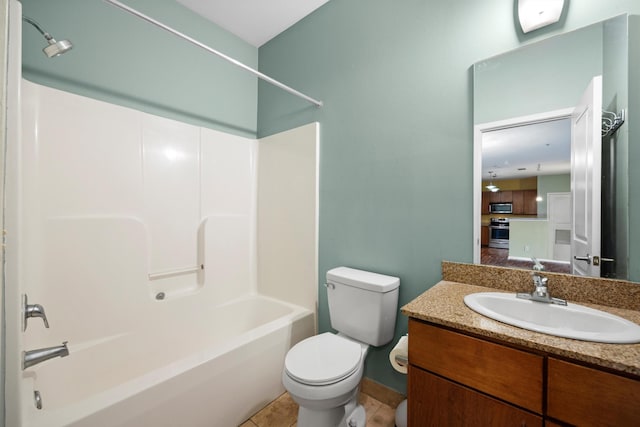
(322,373)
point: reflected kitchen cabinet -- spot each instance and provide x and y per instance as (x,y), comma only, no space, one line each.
(530,203)
(518,202)
(486,199)
(524,202)
(502,197)
(484,236)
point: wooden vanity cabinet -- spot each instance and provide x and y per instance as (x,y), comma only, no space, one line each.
(435,401)
(457,379)
(589,397)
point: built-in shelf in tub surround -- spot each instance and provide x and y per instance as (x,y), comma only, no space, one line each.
(443,304)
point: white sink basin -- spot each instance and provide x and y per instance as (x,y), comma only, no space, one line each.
(570,321)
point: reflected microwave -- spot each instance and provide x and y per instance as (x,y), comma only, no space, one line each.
(500,208)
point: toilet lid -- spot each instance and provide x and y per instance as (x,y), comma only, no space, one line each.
(323,359)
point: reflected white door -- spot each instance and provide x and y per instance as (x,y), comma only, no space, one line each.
(559,217)
(586,153)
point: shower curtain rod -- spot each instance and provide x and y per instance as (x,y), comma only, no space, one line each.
(215,52)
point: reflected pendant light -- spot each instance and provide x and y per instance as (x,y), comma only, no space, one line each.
(491,187)
(534,14)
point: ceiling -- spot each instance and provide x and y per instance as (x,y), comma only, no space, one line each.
(255,21)
(525,151)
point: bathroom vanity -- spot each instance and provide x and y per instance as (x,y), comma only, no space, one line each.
(467,369)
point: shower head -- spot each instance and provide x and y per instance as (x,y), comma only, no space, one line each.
(57,48)
(54,48)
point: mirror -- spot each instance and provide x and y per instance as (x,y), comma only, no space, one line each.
(522,102)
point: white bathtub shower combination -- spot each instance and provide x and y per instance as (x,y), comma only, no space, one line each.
(178,262)
(206,368)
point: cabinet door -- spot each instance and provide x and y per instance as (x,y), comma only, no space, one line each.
(587,397)
(501,197)
(530,204)
(435,401)
(486,199)
(506,373)
(484,235)
(518,202)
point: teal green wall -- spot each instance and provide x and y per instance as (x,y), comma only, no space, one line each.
(396,128)
(121,59)
(545,76)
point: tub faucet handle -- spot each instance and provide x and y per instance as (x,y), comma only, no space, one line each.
(32,310)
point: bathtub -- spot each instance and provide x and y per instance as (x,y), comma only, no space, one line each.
(208,367)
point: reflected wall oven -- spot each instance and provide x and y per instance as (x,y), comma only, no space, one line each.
(499,233)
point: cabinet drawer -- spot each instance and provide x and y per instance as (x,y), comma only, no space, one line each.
(500,371)
(435,401)
(588,397)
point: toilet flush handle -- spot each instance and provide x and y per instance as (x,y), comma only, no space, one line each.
(329,286)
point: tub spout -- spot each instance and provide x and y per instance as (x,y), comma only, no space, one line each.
(33,357)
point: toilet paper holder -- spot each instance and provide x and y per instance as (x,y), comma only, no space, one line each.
(402,360)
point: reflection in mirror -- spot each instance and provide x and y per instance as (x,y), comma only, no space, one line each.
(527,167)
(522,100)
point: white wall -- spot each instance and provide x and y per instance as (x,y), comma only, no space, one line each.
(4,36)
(11,336)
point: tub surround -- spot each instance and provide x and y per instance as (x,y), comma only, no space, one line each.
(443,305)
(115,239)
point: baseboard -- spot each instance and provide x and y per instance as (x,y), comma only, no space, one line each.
(381,392)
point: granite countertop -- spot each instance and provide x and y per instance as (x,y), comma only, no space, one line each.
(443,304)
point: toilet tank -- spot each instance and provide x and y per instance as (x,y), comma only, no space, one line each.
(363,305)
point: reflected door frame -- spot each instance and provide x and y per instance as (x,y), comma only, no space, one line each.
(478,131)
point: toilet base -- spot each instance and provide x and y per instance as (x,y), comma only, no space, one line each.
(320,418)
(357,418)
(349,415)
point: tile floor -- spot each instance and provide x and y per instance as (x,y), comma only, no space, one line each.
(283,411)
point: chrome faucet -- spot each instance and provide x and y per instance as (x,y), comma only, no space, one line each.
(33,357)
(540,293)
(32,310)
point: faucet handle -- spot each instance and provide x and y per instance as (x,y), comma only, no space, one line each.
(33,310)
(537,266)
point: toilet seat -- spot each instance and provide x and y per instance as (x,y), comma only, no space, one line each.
(323,359)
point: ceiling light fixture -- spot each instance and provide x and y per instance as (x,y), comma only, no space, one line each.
(491,187)
(534,14)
